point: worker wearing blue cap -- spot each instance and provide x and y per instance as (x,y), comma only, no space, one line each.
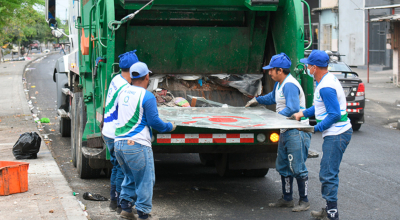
(126,60)
(330,110)
(136,114)
(293,144)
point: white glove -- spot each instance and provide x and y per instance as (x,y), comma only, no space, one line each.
(252,102)
(173,126)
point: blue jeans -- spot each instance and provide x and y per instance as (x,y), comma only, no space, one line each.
(333,149)
(137,163)
(117,176)
(292,153)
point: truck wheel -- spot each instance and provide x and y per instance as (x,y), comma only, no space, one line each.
(256,172)
(207,160)
(65,127)
(355,126)
(82,163)
(222,166)
(74,125)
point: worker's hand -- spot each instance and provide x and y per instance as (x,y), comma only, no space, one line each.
(173,126)
(298,115)
(252,102)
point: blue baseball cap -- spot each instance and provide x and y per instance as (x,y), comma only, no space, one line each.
(279,61)
(127,59)
(318,58)
(140,68)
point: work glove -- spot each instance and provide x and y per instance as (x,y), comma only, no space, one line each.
(173,126)
(252,102)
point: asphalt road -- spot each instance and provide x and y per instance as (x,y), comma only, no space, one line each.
(369,177)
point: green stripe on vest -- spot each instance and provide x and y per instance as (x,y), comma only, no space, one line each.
(111,104)
(132,122)
(342,119)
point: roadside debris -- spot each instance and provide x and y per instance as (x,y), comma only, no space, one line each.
(74,193)
(51,211)
(45,120)
(94,197)
(27,146)
(83,206)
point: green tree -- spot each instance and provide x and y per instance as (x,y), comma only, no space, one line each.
(18,20)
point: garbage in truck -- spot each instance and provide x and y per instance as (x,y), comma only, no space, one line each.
(247,84)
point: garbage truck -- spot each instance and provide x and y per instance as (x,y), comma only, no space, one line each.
(206,58)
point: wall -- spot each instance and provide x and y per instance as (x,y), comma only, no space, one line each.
(352,34)
(329,17)
(329,3)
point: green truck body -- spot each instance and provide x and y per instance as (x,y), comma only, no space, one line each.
(182,37)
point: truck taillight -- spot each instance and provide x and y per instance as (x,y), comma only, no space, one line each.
(361,90)
(274,137)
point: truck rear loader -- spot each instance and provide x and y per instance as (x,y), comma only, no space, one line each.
(209,52)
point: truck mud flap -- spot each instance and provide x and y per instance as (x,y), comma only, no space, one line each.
(97,157)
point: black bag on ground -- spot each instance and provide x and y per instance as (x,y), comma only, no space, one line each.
(27,146)
(94,197)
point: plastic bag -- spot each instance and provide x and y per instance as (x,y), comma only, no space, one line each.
(27,146)
(179,101)
(94,197)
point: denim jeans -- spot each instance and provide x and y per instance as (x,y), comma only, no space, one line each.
(117,176)
(333,149)
(292,153)
(137,163)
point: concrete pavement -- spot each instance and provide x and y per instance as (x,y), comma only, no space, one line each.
(49,195)
(380,88)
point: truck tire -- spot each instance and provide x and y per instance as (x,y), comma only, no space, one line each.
(207,160)
(355,126)
(65,127)
(82,163)
(74,125)
(256,172)
(222,166)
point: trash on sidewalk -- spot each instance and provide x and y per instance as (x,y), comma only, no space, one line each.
(51,211)
(45,120)
(15,177)
(83,206)
(74,193)
(27,146)
(94,197)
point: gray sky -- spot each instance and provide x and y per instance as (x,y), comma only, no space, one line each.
(61,6)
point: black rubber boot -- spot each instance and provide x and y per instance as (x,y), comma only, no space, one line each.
(113,205)
(303,204)
(287,188)
(113,198)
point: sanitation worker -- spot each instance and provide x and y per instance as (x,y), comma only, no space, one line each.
(331,115)
(137,112)
(293,144)
(119,82)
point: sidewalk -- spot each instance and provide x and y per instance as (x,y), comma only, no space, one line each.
(379,88)
(49,196)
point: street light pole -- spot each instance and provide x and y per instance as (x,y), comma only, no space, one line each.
(368,50)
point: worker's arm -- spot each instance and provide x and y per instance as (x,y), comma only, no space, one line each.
(309,112)
(329,97)
(151,114)
(291,93)
(268,99)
